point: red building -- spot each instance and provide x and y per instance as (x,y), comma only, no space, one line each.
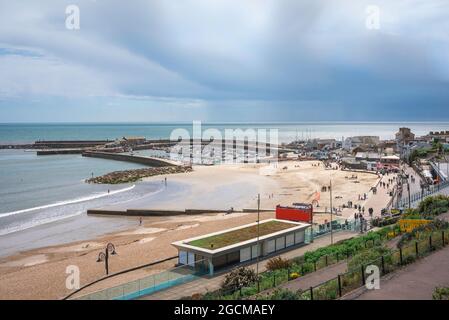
(300,212)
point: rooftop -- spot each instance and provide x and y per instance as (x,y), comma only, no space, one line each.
(231,239)
(243,234)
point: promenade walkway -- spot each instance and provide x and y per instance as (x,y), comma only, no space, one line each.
(205,284)
(414,282)
(315,278)
(376,201)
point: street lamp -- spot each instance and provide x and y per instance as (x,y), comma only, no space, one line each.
(258,237)
(104,256)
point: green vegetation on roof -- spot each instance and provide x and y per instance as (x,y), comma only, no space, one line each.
(239,235)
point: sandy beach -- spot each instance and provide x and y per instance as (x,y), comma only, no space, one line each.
(40,273)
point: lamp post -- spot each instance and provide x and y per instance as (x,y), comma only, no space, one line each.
(258,245)
(332,209)
(104,256)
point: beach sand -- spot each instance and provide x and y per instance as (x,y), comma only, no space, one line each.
(41,273)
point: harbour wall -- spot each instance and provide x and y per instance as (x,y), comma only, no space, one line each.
(149,161)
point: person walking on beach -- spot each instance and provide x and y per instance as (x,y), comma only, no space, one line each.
(165,181)
(140,221)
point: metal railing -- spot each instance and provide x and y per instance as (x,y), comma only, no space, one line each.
(356,277)
(151,284)
(418,196)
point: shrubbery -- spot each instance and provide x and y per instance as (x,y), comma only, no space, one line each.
(283,294)
(441,293)
(278,263)
(435,225)
(368,256)
(349,246)
(239,278)
(433,205)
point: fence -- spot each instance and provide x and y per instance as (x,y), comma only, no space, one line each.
(343,283)
(418,196)
(151,283)
(356,278)
(337,225)
(298,267)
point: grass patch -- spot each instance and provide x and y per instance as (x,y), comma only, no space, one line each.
(244,234)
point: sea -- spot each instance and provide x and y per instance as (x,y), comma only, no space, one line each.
(43,199)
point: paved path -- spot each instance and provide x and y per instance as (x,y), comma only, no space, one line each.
(414,282)
(315,278)
(205,284)
(376,201)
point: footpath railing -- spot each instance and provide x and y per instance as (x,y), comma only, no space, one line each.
(150,284)
(418,196)
(298,268)
(356,277)
(342,284)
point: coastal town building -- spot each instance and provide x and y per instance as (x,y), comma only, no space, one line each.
(406,150)
(233,246)
(368,156)
(364,142)
(404,136)
(442,136)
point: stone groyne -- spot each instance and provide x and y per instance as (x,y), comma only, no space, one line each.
(127,176)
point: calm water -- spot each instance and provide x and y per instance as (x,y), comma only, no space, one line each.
(26,133)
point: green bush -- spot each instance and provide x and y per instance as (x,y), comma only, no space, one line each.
(284,294)
(441,293)
(368,256)
(434,205)
(349,246)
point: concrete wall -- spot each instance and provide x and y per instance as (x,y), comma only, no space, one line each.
(149,161)
(151,212)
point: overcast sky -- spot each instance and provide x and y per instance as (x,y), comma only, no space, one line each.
(224,60)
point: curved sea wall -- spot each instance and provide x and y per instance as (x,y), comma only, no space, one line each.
(149,161)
